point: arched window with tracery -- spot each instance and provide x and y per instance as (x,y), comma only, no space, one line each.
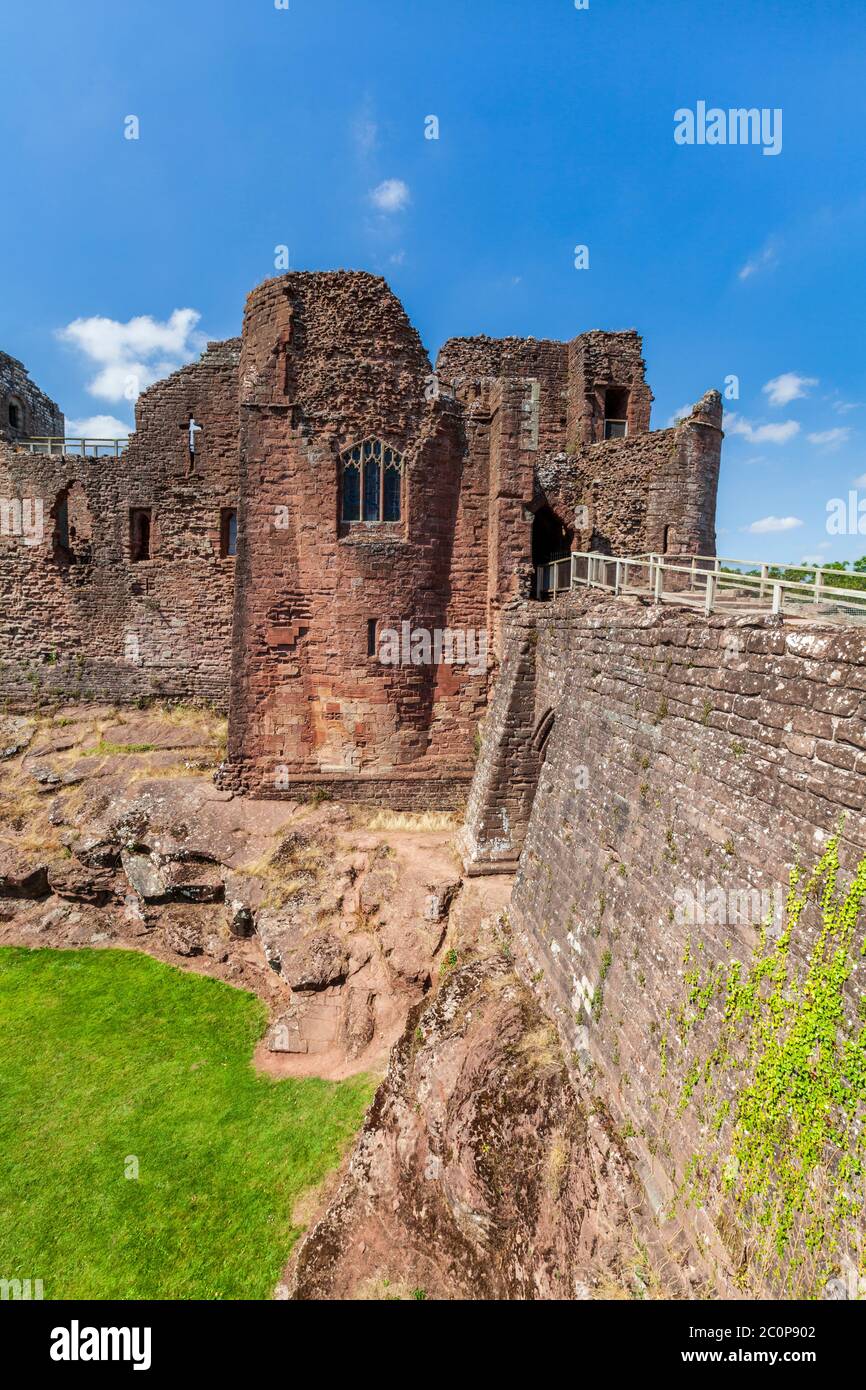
(372,482)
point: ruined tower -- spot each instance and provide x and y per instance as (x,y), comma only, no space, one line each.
(314,528)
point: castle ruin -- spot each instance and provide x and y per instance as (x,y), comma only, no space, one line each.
(312,488)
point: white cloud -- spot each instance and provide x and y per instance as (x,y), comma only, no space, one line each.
(765,259)
(773,523)
(682,414)
(761,434)
(788,387)
(860,482)
(842,407)
(398,257)
(132,355)
(97,427)
(829,439)
(390,196)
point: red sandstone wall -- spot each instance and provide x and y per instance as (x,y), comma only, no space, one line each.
(684,752)
(473,367)
(328,361)
(38,414)
(105,628)
(597,361)
(653,491)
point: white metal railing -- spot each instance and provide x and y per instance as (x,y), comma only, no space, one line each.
(706,577)
(57,444)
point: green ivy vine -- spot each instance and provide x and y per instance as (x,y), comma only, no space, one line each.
(781,1097)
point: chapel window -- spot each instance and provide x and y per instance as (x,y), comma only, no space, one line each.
(372,482)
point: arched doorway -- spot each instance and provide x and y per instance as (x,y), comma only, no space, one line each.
(551,537)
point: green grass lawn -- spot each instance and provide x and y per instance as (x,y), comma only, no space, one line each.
(109,1056)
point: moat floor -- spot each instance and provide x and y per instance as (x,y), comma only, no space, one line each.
(143,1155)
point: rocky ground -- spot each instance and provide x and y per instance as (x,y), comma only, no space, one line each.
(480,1171)
(113,834)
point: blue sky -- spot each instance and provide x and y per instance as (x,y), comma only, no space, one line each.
(262,127)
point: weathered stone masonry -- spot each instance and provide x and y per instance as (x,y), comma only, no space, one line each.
(25,410)
(679,752)
(80,617)
(511,450)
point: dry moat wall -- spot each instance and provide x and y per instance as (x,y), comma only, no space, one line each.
(640,760)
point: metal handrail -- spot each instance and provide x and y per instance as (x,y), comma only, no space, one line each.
(59,444)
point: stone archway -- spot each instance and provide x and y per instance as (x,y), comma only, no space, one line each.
(551,536)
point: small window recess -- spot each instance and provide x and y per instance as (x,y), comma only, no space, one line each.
(228,532)
(140,527)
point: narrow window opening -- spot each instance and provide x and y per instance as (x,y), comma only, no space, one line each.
(543,730)
(72,535)
(372,624)
(139,533)
(192,430)
(616,413)
(62,530)
(228,532)
(15,415)
(665,538)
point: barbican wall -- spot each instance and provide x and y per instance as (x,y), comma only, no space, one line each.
(637,760)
